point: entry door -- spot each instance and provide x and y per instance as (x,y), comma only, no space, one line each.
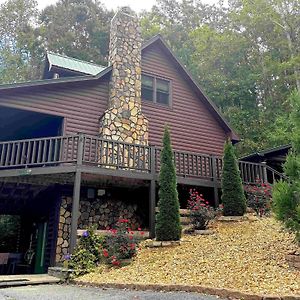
(39,266)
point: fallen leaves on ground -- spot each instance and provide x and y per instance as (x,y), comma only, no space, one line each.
(245,256)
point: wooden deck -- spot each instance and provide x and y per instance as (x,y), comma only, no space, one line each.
(65,154)
(68,159)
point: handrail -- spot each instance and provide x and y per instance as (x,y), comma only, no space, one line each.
(275,172)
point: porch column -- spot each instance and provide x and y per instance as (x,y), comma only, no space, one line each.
(75,211)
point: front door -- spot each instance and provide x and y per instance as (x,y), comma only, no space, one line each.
(41,234)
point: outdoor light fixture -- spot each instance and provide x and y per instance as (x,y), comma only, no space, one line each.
(100,192)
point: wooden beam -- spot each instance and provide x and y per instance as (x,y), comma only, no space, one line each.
(37,171)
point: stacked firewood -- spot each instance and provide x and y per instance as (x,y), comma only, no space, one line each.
(105,214)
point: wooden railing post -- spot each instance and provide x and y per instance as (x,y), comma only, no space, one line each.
(152,193)
(80,148)
(265,174)
(214,174)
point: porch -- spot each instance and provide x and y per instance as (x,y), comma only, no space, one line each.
(80,159)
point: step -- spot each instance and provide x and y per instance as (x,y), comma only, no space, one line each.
(21,280)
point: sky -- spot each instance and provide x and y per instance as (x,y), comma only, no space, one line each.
(137,5)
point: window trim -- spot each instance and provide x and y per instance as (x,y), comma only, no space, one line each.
(154,100)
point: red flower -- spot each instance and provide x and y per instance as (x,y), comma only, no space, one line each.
(139,229)
(105,253)
(115,263)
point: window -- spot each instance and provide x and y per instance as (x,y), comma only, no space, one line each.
(156,90)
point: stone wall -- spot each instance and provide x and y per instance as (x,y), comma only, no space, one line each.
(64,229)
(101,213)
(123,120)
(105,214)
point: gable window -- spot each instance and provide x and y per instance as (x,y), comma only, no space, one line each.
(155,90)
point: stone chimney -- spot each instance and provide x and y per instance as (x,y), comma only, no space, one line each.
(123,120)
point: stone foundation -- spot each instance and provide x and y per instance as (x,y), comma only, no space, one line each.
(101,213)
(105,214)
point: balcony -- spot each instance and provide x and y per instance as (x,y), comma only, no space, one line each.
(113,157)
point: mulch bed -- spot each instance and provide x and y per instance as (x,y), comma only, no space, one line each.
(247,257)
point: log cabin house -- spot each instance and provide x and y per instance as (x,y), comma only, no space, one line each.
(82,145)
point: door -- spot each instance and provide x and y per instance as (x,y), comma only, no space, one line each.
(39,265)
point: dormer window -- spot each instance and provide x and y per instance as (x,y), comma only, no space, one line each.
(156,90)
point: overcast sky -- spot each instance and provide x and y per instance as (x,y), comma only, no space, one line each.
(137,5)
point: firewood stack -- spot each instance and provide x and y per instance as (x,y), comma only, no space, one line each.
(105,214)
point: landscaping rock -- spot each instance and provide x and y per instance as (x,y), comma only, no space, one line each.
(232,218)
(293,260)
(156,244)
(203,232)
(59,272)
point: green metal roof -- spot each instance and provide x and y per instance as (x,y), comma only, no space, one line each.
(73,64)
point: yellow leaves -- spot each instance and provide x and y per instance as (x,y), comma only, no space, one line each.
(247,256)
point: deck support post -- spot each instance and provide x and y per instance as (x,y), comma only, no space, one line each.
(215,180)
(76,195)
(152,194)
(75,211)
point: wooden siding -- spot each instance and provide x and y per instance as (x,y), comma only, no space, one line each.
(81,104)
(193,127)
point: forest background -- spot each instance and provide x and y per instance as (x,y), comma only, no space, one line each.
(245,54)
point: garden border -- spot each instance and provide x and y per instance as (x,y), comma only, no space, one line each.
(223,293)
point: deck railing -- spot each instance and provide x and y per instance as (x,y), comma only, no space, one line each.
(38,152)
(103,153)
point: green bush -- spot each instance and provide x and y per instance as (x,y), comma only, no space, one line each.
(286,195)
(233,197)
(167,227)
(86,255)
(9,231)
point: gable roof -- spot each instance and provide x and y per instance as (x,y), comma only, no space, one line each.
(67,61)
(279,150)
(73,64)
(158,39)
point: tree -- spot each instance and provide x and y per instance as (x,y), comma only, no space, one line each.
(233,196)
(18,45)
(286,195)
(77,28)
(168,227)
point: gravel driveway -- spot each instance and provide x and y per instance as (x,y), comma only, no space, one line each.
(69,292)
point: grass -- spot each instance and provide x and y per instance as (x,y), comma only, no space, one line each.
(246,256)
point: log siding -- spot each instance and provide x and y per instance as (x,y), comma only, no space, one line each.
(81,104)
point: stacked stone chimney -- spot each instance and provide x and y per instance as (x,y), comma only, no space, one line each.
(123,120)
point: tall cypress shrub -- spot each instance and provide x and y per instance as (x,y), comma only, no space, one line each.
(168,227)
(233,196)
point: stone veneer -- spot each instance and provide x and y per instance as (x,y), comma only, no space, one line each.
(64,229)
(101,213)
(123,120)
